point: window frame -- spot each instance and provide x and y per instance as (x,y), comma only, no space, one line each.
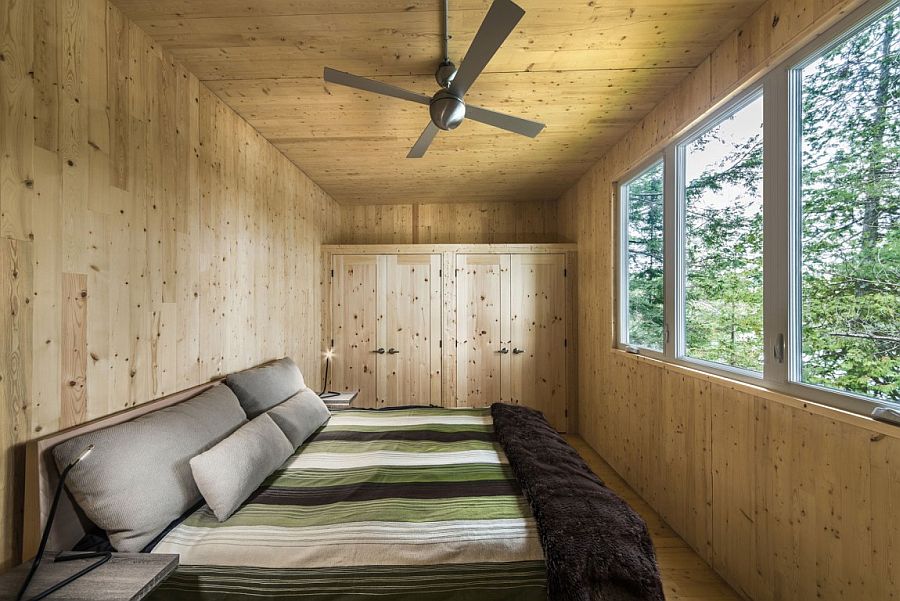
(782,320)
(622,291)
(786,78)
(680,143)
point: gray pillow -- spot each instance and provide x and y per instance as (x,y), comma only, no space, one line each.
(227,473)
(261,388)
(300,416)
(138,479)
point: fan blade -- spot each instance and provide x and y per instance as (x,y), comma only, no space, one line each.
(424,141)
(370,85)
(516,125)
(501,19)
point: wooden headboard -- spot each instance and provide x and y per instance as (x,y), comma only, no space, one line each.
(41,477)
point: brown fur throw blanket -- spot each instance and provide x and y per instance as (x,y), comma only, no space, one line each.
(596,547)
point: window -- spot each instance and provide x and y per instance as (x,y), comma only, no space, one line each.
(642,209)
(848,178)
(811,191)
(722,241)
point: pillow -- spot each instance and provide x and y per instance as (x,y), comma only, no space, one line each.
(138,479)
(227,473)
(261,388)
(300,416)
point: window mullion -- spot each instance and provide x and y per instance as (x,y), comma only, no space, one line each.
(777,221)
(670,237)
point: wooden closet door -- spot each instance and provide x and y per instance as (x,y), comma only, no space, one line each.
(482,314)
(411,373)
(354,295)
(538,322)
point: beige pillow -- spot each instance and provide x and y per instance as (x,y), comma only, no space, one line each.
(138,479)
(230,471)
(300,416)
(261,388)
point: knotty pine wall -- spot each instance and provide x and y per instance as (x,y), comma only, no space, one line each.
(786,500)
(150,239)
(450,223)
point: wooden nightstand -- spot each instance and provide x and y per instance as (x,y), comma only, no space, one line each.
(340,401)
(125,577)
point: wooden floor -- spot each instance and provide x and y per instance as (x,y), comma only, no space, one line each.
(685,576)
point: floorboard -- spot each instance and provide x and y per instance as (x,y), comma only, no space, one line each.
(686,577)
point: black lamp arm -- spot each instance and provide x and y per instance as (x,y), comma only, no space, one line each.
(326,394)
(104,557)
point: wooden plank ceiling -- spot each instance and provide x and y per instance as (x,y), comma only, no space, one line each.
(588,69)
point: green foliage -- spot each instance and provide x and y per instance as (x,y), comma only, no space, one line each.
(851,214)
(646,320)
(850,237)
(723,245)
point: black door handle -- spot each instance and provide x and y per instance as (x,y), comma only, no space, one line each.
(503,351)
(518,351)
(392,351)
(380,351)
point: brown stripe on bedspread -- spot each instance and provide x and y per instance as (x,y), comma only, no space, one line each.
(430,435)
(370,491)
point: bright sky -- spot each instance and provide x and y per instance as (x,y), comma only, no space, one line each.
(730,134)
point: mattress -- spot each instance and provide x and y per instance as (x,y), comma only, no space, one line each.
(390,505)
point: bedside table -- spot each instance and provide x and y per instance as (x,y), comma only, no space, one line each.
(339,401)
(125,577)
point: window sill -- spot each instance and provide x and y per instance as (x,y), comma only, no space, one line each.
(847,417)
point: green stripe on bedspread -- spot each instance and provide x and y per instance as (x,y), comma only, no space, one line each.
(398,505)
(520,581)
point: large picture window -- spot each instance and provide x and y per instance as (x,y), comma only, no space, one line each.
(849,178)
(723,231)
(799,174)
(642,208)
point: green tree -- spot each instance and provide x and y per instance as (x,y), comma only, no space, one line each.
(851,214)
(646,319)
(723,248)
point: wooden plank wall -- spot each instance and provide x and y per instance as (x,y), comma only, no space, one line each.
(450,223)
(150,239)
(786,500)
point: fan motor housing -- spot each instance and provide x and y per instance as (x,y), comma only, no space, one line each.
(447,110)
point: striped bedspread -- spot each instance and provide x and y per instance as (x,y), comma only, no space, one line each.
(392,505)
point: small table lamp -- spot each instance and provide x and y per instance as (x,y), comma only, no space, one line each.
(327,394)
(103,557)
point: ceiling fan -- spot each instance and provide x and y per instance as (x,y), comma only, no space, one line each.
(447,107)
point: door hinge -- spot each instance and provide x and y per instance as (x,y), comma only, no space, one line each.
(440,273)
(332,343)
(332,273)
(440,344)
(565,272)
(566,342)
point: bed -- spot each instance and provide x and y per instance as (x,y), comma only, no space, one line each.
(417,503)
(402,504)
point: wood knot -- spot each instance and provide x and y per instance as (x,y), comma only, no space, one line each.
(775,21)
(876,438)
(29,183)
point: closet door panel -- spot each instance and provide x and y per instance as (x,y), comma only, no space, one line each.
(482,294)
(412,363)
(355,326)
(538,322)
